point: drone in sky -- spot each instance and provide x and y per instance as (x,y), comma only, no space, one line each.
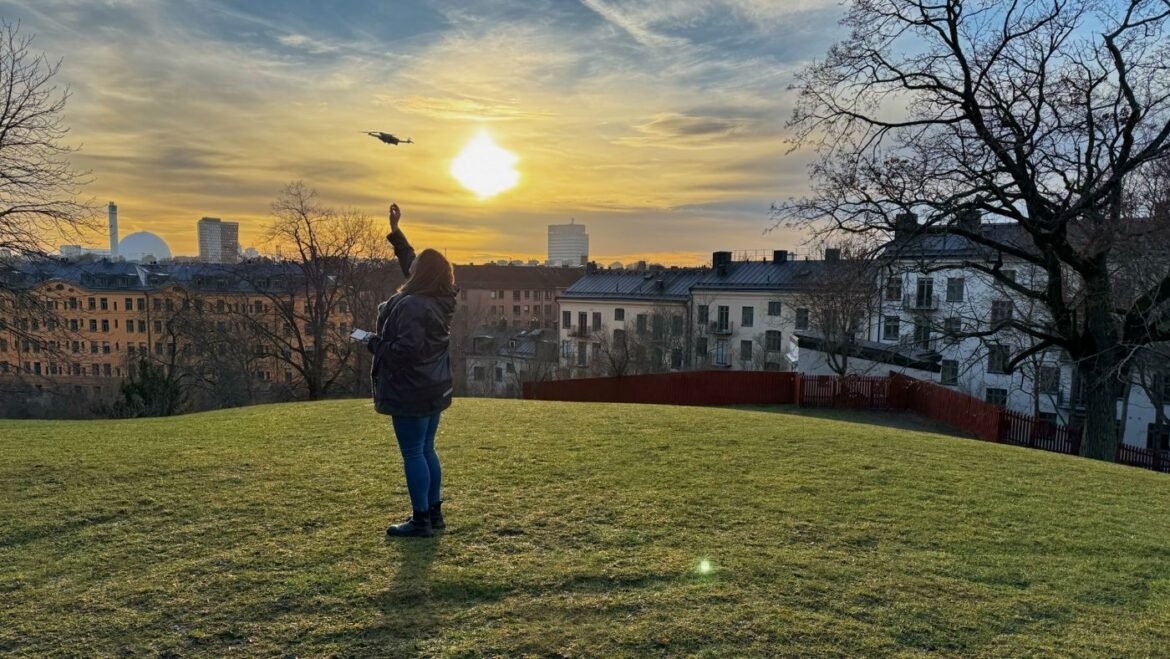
(388,138)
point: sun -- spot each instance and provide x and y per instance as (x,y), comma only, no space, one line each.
(485,168)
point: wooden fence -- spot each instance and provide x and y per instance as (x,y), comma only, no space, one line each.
(687,388)
(965,413)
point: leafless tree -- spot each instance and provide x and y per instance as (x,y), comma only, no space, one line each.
(838,301)
(1036,113)
(39,188)
(302,297)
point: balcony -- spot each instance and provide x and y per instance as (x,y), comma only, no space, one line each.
(580,332)
(716,328)
(914,302)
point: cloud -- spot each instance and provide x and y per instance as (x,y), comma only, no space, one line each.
(308,44)
(681,131)
(470,109)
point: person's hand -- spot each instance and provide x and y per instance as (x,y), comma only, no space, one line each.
(395,216)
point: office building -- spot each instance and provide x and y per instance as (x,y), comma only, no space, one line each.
(219,241)
(568,244)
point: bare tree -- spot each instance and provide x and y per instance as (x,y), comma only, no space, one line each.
(1035,113)
(838,301)
(301,298)
(38,186)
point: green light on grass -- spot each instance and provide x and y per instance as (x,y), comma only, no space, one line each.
(705,567)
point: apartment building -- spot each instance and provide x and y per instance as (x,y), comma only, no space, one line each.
(499,364)
(929,306)
(79,328)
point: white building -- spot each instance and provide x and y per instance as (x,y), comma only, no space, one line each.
(219,241)
(499,364)
(930,304)
(568,244)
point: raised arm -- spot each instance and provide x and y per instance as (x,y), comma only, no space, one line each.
(402,249)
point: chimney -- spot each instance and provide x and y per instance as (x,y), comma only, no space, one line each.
(113,230)
(969,220)
(779,256)
(719,261)
(832,254)
(905,224)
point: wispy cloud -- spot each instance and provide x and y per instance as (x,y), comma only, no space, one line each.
(620,111)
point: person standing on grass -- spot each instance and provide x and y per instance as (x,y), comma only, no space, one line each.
(412,372)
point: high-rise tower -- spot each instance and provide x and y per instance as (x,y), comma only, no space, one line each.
(113,230)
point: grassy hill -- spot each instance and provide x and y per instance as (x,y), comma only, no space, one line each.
(575,530)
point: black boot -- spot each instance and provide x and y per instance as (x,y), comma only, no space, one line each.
(417,526)
(437,516)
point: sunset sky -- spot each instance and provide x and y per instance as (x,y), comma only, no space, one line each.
(657,123)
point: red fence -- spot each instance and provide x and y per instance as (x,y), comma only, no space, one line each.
(1144,458)
(896,392)
(852,391)
(688,388)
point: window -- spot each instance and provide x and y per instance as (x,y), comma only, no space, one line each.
(619,314)
(105,325)
(748,317)
(158,348)
(676,325)
(997,358)
(704,314)
(158,327)
(955,289)
(774,308)
(477,372)
(890,328)
(93,324)
(72,324)
(952,326)
(619,337)
(922,335)
(105,347)
(1001,311)
(527,295)
(924,295)
(724,318)
(105,304)
(701,347)
(745,351)
(106,370)
(582,321)
(721,352)
(515,310)
(1009,275)
(509,368)
(643,325)
(516,295)
(500,294)
(130,326)
(499,373)
(170,304)
(950,372)
(1048,380)
(582,356)
(996,396)
(676,358)
(548,312)
(772,340)
(142,326)
(157,304)
(802,319)
(567,319)
(141,304)
(659,325)
(596,321)
(92,303)
(3,345)
(129,304)
(894,287)
(93,347)
(492,295)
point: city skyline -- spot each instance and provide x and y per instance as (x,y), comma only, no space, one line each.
(656,123)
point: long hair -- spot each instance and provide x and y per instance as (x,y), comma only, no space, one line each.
(431,275)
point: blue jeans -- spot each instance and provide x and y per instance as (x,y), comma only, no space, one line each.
(416,440)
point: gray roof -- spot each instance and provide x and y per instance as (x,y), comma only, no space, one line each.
(677,283)
(936,242)
(672,285)
(123,276)
(763,276)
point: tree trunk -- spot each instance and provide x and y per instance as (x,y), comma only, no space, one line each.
(1101,390)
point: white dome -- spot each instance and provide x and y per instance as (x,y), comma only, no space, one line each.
(143,245)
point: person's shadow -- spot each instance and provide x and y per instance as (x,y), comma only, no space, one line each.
(409,607)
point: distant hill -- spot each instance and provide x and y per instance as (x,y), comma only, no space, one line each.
(574,530)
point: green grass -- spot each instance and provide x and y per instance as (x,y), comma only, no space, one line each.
(575,530)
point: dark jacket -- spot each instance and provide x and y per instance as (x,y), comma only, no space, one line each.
(412,361)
